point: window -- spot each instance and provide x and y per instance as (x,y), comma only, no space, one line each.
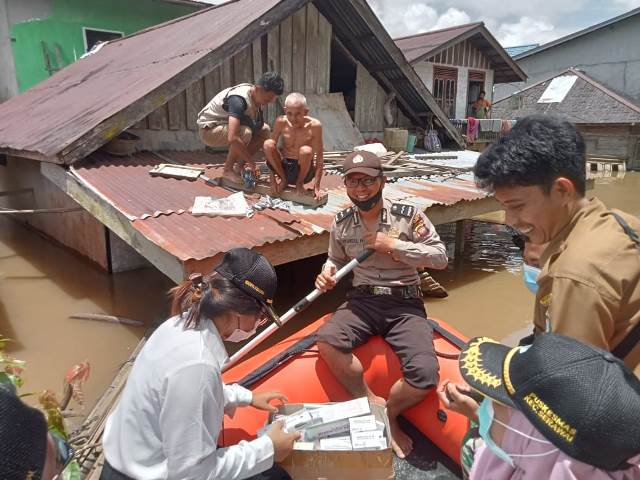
(94,35)
(444,89)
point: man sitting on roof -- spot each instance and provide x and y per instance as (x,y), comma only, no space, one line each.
(386,299)
(233,118)
(301,142)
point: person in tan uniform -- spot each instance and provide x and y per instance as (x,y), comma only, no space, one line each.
(234,119)
(301,145)
(589,284)
(386,298)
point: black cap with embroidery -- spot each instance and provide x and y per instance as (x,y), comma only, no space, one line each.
(582,399)
(23,438)
(362,162)
(253,274)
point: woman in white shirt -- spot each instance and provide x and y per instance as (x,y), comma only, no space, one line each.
(170,414)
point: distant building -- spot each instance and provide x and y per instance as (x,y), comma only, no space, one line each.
(457,63)
(40,37)
(609,122)
(520,49)
(608,52)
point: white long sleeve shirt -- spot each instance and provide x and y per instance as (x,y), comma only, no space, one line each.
(170,414)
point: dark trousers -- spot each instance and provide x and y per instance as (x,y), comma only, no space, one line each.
(274,473)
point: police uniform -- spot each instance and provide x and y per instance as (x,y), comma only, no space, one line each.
(589,286)
(386,298)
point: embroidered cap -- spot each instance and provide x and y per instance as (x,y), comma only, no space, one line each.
(362,162)
(582,399)
(253,274)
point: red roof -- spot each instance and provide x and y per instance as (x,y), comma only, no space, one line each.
(158,207)
(417,46)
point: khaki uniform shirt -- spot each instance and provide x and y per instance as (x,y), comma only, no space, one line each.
(417,245)
(589,286)
(213,114)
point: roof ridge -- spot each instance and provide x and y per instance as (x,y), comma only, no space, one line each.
(579,33)
(415,35)
(177,19)
(617,97)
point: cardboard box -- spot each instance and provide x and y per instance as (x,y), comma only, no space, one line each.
(340,465)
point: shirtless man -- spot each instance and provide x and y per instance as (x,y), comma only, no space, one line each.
(302,141)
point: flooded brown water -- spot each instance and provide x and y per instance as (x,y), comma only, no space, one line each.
(42,284)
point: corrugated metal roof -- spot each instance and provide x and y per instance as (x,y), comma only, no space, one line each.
(417,46)
(71,114)
(520,49)
(47,118)
(425,45)
(126,185)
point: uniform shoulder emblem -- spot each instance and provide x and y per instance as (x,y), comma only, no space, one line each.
(346,213)
(403,210)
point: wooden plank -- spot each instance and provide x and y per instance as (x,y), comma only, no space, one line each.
(212,84)
(195,102)
(286,53)
(299,49)
(338,132)
(324,54)
(177,112)
(311,51)
(256,54)
(288,194)
(273,64)
(243,66)
(370,98)
(439,214)
(226,73)
(158,119)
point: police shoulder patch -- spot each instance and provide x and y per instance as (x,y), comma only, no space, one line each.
(403,210)
(347,212)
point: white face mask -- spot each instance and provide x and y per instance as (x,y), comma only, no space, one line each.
(239,335)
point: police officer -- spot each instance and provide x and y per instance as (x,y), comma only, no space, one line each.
(386,298)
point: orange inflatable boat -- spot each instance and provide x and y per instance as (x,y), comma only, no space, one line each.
(293,367)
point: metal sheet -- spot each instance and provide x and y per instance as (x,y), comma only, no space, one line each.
(158,207)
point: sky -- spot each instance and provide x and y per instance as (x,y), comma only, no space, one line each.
(512,22)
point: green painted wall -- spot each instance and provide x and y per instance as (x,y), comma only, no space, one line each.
(64,28)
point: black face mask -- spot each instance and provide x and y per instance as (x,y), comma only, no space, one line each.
(366,205)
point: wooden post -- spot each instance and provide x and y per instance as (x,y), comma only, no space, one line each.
(459,248)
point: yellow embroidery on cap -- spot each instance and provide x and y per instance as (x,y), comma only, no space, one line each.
(257,289)
(471,363)
(505,370)
(550,418)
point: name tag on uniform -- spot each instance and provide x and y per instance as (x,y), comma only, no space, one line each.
(393,232)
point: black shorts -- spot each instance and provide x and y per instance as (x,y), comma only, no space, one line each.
(401,322)
(291,169)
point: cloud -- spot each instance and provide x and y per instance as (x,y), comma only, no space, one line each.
(451,18)
(525,30)
(627,4)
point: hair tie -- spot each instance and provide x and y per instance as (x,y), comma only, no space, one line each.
(196,280)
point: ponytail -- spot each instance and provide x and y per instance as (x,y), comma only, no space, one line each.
(209,297)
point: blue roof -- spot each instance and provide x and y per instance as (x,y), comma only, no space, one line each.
(514,51)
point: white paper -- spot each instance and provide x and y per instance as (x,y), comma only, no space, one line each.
(336,443)
(372,440)
(324,430)
(365,423)
(558,89)
(339,411)
(297,421)
(234,205)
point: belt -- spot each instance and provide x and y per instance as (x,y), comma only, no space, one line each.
(406,292)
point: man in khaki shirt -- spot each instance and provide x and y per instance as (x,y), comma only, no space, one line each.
(234,119)
(589,286)
(386,299)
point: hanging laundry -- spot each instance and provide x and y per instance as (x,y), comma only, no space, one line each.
(472,129)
